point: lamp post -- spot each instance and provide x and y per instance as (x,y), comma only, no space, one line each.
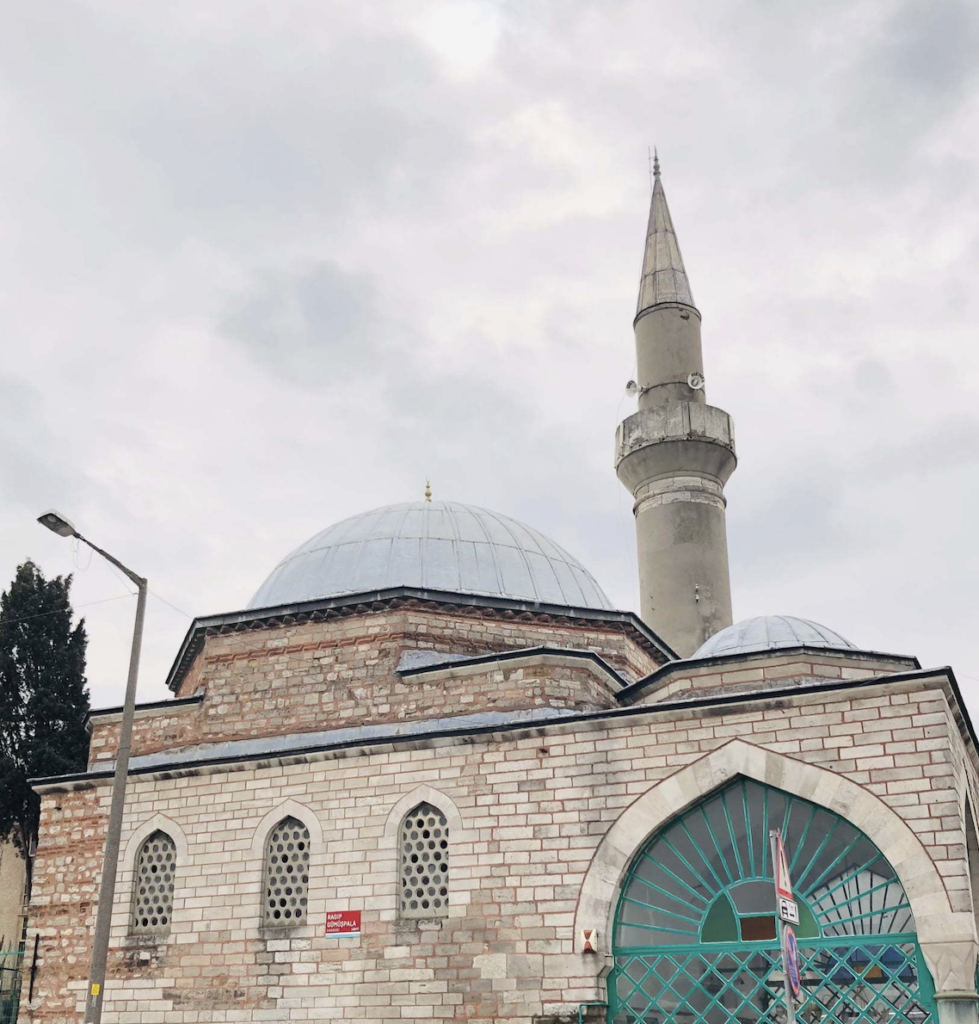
(58,524)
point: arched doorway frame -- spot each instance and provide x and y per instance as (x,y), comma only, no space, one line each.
(947,938)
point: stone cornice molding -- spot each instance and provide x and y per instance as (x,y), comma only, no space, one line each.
(529,657)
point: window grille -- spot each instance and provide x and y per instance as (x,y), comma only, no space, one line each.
(425,863)
(156,864)
(287,874)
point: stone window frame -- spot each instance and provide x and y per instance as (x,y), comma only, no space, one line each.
(122,912)
(461,844)
(315,907)
(425,836)
(155,867)
(279,865)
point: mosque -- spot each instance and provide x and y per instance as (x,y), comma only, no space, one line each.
(430,772)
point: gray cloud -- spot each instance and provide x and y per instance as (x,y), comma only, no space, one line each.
(266,267)
(314,326)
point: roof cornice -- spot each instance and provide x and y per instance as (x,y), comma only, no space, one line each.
(518,658)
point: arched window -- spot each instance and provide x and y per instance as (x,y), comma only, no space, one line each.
(156,864)
(287,874)
(424,863)
(696,929)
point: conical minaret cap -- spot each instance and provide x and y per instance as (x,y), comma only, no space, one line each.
(664,278)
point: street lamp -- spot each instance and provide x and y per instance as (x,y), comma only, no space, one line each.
(58,524)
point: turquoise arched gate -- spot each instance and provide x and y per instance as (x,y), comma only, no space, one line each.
(695,933)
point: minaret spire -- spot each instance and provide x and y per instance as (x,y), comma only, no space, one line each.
(664,277)
(676,453)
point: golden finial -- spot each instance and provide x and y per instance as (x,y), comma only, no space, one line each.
(428,490)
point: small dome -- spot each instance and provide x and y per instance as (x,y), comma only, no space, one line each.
(769,632)
(437,545)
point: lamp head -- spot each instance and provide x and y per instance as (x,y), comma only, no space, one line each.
(57,523)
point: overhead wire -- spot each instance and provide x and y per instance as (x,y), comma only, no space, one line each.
(75,552)
(170,604)
(103,600)
(74,608)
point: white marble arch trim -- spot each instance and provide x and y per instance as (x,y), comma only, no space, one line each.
(255,900)
(287,809)
(122,903)
(460,842)
(936,924)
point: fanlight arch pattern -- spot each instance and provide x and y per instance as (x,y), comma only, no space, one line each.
(695,935)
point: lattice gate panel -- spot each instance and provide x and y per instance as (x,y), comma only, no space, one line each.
(882,983)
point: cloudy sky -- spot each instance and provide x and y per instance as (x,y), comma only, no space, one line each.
(264,265)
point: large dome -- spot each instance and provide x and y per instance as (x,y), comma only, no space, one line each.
(770,632)
(437,545)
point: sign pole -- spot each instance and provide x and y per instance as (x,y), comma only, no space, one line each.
(788,911)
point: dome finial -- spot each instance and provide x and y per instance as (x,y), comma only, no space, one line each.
(428,490)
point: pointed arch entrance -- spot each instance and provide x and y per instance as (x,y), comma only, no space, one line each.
(694,939)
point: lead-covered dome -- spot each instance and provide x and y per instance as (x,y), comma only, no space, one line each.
(769,632)
(437,545)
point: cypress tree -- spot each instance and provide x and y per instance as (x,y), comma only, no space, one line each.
(43,695)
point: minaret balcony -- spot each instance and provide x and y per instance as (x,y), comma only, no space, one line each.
(682,438)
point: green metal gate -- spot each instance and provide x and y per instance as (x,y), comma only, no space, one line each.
(11,964)
(695,934)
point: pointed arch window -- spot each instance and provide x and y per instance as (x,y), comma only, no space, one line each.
(155,869)
(695,939)
(424,863)
(287,874)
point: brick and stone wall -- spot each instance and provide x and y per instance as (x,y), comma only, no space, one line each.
(749,673)
(527,810)
(342,672)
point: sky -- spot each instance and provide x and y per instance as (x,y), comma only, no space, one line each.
(264,265)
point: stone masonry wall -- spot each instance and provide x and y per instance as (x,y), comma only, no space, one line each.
(531,812)
(516,685)
(377,639)
(326,675)
(767,670)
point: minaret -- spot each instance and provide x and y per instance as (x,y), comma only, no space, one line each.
(676,453)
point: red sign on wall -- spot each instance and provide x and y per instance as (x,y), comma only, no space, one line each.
(343,922)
